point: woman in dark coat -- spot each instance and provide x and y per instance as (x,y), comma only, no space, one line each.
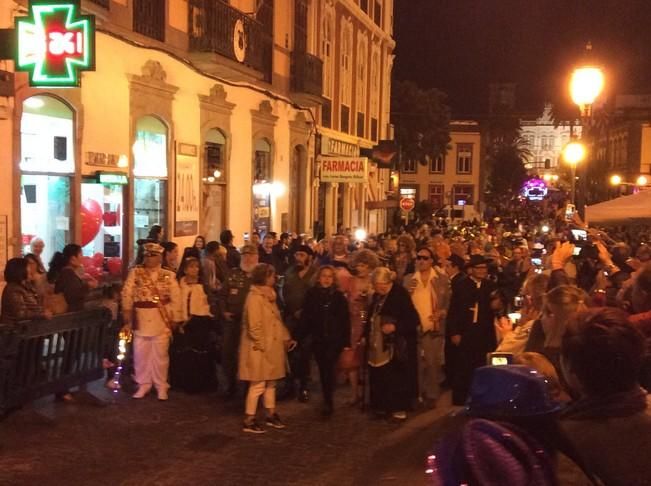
(325,318)
(66,266)
(392,357)
(20,300)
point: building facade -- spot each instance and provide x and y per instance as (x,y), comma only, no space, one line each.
(452,180)
(545,141)
(199,116)
(620,145)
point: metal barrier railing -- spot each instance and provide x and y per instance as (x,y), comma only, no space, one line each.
(38,358)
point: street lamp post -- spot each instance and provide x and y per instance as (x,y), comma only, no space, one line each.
(573,153)
(586,85)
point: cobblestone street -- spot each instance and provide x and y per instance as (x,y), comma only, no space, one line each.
(196,440)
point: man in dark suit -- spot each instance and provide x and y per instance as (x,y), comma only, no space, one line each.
(470,325)
(454,267)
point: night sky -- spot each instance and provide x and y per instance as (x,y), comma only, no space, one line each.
(460,46)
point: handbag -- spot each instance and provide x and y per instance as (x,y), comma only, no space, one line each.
(56,303)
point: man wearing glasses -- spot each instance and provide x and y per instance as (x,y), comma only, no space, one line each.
(470,325)
(151,302)
(429,293)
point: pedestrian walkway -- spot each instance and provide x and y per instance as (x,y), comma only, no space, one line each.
(189,440)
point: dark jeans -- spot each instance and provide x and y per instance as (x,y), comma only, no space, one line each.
(326,360)
(230,350)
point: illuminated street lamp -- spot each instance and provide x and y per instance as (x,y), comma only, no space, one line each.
(573,153)
(616,180)
(642,181)
(586,85)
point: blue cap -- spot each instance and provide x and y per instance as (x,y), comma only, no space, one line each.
(509,391)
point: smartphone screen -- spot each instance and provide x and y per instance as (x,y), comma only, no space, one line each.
(536,261)
(569,212)
(579,234)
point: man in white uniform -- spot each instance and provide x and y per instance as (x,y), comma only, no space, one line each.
(151,302)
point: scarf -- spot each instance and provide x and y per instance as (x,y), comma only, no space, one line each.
(268,292)
(613,406)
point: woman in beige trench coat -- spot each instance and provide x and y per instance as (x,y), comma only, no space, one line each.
(263,348)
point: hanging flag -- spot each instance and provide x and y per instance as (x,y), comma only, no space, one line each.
(385,154)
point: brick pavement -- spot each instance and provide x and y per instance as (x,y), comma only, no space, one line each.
(192,440)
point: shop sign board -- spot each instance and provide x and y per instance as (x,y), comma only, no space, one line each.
(407,204)
(55,43)
(106,178)
(344,169)
(101,159)
(186,201)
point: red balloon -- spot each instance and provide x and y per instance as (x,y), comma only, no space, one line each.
(98,259)
(87,262)
(114,266)
(91,220)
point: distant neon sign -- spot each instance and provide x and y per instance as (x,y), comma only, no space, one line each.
(55,43)
(534,189)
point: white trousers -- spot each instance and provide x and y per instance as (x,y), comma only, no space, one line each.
(152,360)
(256,388)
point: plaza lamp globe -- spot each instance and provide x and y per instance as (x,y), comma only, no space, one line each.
(573,153)
(615,180)
(641,181)
(586,85)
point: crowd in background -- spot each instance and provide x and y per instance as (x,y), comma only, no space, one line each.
(398,317)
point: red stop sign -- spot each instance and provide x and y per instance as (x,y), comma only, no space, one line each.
(407,204)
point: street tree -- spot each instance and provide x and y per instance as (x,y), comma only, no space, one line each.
(421,118)
(507,171)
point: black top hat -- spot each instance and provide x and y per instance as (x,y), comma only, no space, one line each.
(476,260)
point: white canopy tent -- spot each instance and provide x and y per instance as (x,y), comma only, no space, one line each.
(624,209)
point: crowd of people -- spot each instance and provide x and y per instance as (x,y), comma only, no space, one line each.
(397,318)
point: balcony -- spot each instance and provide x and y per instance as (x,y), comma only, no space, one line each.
(307,74)
(217,27)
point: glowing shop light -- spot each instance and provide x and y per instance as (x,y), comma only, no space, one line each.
(55,43)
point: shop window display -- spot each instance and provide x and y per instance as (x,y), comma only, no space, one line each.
(47,162)
(45,212)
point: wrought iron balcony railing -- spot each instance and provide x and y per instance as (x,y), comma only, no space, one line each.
(217,27)
(306,74)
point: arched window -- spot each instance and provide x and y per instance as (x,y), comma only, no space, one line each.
(327,37)
(346,74)
(150,171)
(214,167)
(47,161)
(375,91)
(262,161)
(361,81)
(214,185)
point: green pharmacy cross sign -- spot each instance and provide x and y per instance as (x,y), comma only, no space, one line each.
(55,43)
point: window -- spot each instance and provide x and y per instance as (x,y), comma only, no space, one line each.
(149,18)
(214,167)
(375,91)
(346,74)
(262,161)
(360,91)
(363,4)
(327,34)
(409,166)
(464,158)
(377,13)
(436,193)
(437,165)
(462,192)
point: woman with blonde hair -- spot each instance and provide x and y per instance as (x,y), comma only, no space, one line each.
(403,260)
(358,291)
(543,366)
(561,305)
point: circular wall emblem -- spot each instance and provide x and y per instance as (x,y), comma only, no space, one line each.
(239,40)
